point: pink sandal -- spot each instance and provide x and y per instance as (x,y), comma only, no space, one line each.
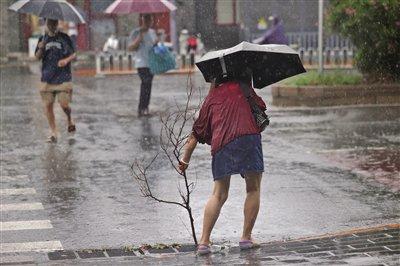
(248,244)
(203,249)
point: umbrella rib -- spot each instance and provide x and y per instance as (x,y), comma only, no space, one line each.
(82,20)
(110,9)
(18,5)
(169,5)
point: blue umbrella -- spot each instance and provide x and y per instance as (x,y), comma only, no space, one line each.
(51,9)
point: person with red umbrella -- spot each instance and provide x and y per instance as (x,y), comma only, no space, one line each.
(142,41)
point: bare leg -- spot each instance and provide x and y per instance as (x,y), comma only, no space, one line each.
(213,208)
(252,203)
(49,110)
(67,111)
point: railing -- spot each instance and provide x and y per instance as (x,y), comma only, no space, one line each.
(338,51)
(116,61)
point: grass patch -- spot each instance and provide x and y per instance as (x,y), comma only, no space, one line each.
(329,78)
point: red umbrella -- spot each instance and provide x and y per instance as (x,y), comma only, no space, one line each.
(140,6)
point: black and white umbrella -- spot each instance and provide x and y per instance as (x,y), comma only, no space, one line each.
(52,9)
(267,64)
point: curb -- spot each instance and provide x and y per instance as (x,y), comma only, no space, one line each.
(368,244)
(382,240)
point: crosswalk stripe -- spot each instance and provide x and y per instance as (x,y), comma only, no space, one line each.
(17,191)
(13,178)
(25,225)
(16,259)
(30,246)
(21,207)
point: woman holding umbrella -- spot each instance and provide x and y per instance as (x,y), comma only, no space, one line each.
(231,119)
(143,39)
(226,123)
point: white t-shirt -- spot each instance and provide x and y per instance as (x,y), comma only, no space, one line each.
(142,53)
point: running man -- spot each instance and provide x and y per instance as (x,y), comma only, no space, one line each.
(56,51)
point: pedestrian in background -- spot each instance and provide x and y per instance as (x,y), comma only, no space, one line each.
(56,51)
(142,41)
(192,48)
(226,123)
(276,33)
(183,37)
(73,33)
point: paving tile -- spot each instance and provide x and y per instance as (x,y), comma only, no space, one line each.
(90,253)
(187,248)
(292,244)
(320,249)
(61,255)
(386,253)
(160,251)
(360,250)
(352,238)
(318,254)
(346,256)
(385,239)
(393,247)
(294,260)
(120,252)
(335,262)
(267,259)
(278,254)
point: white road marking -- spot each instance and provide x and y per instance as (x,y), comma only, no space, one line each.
(13,178)
(15,259)
(25,225)
(17,191)
(30,246)
(21,207)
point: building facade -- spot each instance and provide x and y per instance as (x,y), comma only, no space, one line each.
(221,23)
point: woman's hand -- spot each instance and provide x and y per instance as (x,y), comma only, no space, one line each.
(189,148)
(183,166)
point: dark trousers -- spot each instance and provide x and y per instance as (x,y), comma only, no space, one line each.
(145,87)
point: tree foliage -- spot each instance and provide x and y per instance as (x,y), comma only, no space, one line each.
(374,28)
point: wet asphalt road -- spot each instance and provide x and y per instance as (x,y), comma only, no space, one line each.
(327,169)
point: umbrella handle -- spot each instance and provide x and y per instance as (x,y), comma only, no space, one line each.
(223,65)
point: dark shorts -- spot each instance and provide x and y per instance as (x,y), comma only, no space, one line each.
(242,155)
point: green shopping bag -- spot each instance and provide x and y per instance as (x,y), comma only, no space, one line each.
(161,59)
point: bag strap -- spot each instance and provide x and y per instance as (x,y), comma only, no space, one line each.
(246,92)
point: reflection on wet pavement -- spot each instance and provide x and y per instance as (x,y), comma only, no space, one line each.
(313,182)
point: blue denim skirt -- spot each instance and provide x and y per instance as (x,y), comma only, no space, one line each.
(242,155)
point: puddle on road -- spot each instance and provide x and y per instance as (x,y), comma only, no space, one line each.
(381,165)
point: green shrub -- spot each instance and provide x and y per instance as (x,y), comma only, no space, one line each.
(374,28)
(330,78)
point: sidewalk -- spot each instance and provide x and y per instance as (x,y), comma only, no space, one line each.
(367,246)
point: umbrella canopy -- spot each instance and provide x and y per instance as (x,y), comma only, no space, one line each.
(140,6)
(52,9)
(267,63)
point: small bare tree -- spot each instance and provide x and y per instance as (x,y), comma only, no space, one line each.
(172,141)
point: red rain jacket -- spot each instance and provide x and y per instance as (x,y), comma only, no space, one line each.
(225,115)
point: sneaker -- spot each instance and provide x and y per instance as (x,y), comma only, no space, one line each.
(203,249)
(248,244)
